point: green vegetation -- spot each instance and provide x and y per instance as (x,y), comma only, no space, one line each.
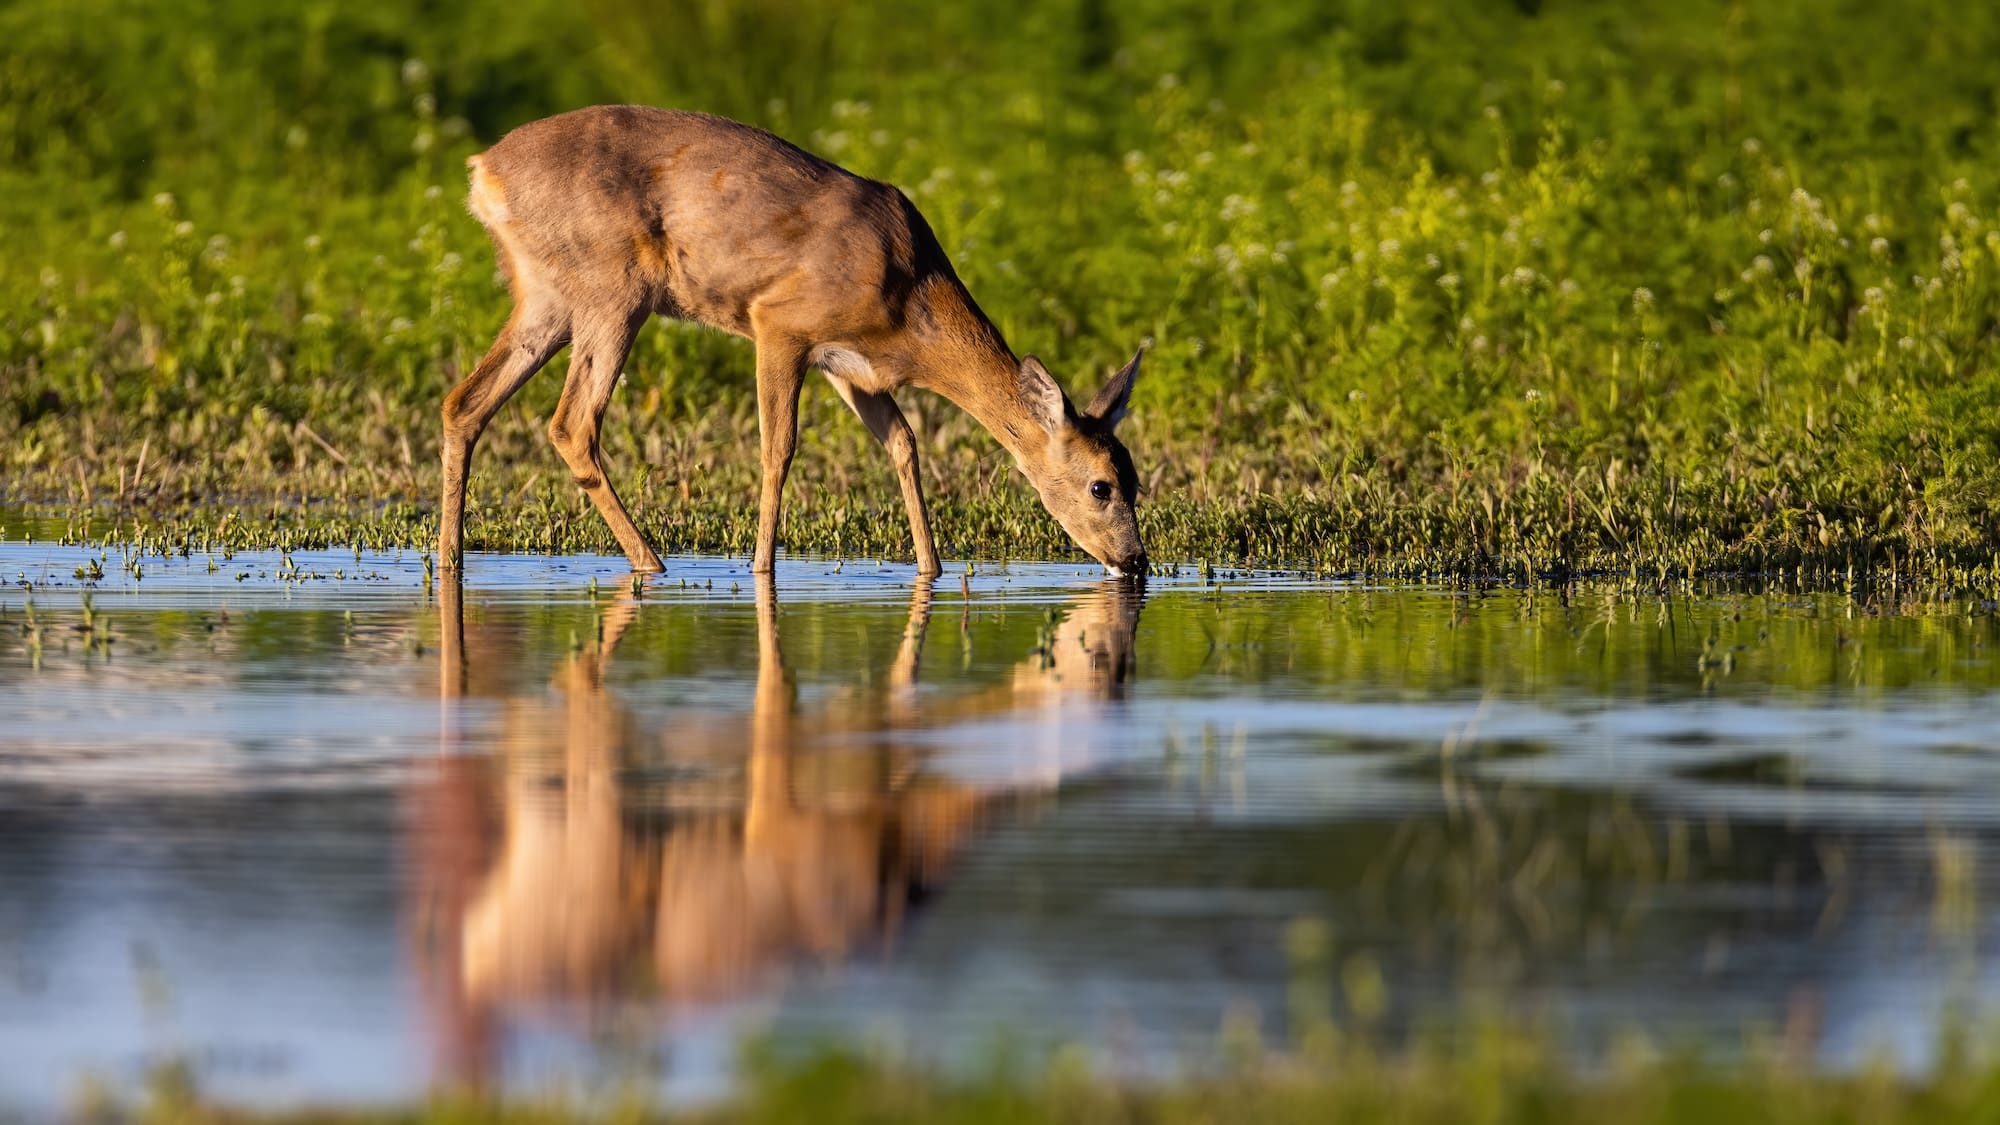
(1499,1080)
(1439,286)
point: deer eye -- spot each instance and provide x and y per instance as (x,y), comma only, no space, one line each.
(1101,489)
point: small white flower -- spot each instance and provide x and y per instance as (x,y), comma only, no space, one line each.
(1533,395)
(415,73)
(183,229)
(117,240)
(1448,282)
(1878,246)
(1642,299)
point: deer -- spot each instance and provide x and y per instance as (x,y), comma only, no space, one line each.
(605,216)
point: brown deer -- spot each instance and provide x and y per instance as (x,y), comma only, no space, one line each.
(603,216)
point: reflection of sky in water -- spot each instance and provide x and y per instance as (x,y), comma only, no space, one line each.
(219,840)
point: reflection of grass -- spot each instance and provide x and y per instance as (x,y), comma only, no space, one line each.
(1496,1077)
(1452,285)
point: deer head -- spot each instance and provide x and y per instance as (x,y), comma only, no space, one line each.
(1083,473)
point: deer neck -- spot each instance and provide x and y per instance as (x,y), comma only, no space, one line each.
(965,359)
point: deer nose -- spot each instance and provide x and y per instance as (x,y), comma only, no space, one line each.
(1136,565)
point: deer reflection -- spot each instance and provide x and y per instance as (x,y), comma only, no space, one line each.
(789,846)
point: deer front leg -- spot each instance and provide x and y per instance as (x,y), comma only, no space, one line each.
(781,372)
(884,419)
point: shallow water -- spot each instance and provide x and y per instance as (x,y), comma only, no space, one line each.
(324,833)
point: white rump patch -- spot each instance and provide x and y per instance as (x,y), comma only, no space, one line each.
(486,200)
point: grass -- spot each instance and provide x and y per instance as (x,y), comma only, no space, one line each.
(1498,1079)
(1445,287)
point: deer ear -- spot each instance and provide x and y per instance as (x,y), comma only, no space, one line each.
(1039,393)
(1115,400)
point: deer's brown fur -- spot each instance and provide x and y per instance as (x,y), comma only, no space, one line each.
(604,216)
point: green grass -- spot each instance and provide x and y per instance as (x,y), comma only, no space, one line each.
(1498,1079)
(1447,286)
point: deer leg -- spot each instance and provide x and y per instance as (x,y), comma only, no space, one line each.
(781,372)
(596,355)
(535,331)
(884,419)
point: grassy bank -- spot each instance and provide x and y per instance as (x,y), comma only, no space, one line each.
(1499,1080)
(1438,286)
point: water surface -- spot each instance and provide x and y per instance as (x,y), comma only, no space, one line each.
(325,832)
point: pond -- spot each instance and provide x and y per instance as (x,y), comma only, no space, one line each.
(320,829)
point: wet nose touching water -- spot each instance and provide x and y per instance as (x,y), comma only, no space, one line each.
(554,826)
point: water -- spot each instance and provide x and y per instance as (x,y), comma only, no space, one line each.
(323,834)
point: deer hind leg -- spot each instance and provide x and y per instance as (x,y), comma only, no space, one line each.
(597,353)
(781,372)
(884,419)
(535,331)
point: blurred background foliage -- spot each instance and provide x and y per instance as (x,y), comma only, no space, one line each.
(1694,284)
